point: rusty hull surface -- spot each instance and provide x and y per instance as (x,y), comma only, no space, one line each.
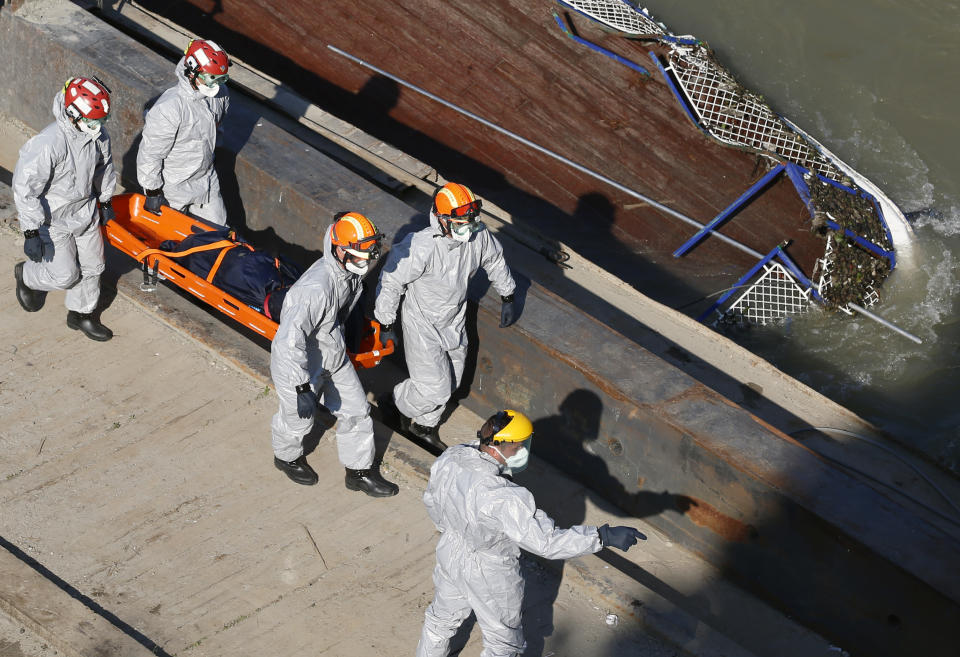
(508,62)
(834,553)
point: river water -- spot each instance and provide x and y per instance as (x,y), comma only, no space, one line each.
(878,83)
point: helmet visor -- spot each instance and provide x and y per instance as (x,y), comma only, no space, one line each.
(94,124)
(210,79)
(468,212)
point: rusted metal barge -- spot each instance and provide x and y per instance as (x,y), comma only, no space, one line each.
(601,84)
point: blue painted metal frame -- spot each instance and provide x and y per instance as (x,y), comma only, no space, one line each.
(745,198)
(797,177)
(780,255)
(739,284)
(676,92)
(603,51)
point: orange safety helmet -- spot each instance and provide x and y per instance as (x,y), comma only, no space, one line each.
(356,235)
(86,98)
(456,202)
(207,59)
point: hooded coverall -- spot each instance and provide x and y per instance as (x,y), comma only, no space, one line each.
(485,519)
(434,272)
(309,346)
(60,175)
(176,151)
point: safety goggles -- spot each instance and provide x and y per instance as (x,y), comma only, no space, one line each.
(210,79)
(365,249)
(468,212)
(93,124)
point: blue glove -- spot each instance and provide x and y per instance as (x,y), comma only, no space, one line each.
(508,312)
(33,245)
(106,213)
(306,401)
(155,199)
(622,538)
(388,333)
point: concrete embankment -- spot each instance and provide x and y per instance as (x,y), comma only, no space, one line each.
(663,445)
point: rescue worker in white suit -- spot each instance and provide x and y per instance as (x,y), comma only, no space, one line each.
(485,519)
(60,175)
(432,268)
(175,158)
(308,357)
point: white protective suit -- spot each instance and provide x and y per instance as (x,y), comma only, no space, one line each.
(60,175)
(485,519)
(309,346)
(176,151)
(434,272)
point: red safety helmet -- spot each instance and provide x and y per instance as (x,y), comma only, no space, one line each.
(86,98)
(207,59)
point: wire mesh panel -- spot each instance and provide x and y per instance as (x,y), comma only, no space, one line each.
(618,15)
(771,297)
(737,116)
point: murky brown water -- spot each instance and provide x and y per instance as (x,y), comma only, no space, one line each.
(878,83)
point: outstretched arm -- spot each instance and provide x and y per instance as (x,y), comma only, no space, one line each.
(515,510)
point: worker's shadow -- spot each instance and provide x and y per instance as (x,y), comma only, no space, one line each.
(577,423)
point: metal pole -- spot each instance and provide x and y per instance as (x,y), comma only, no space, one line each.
(881,320)
(545,151)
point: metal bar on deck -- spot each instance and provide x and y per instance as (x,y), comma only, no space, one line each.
(881,320)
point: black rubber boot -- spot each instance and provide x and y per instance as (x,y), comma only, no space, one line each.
(90,326)
(371,482)
(428,435)
(298,470)
(30,300)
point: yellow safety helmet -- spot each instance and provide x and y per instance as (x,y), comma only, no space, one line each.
(507,426)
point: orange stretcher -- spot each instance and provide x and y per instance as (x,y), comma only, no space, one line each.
(139,233)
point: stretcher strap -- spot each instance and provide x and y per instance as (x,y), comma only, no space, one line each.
(216,264)
(179,254)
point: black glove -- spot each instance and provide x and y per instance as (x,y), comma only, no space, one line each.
(155,199)
(33,245)
(106,213)
(622,538)
(388,333)
(306,401)
(508,312)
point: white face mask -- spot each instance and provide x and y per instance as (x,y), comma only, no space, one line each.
(518,462)
(355,268)
(209,92)
(461,232)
